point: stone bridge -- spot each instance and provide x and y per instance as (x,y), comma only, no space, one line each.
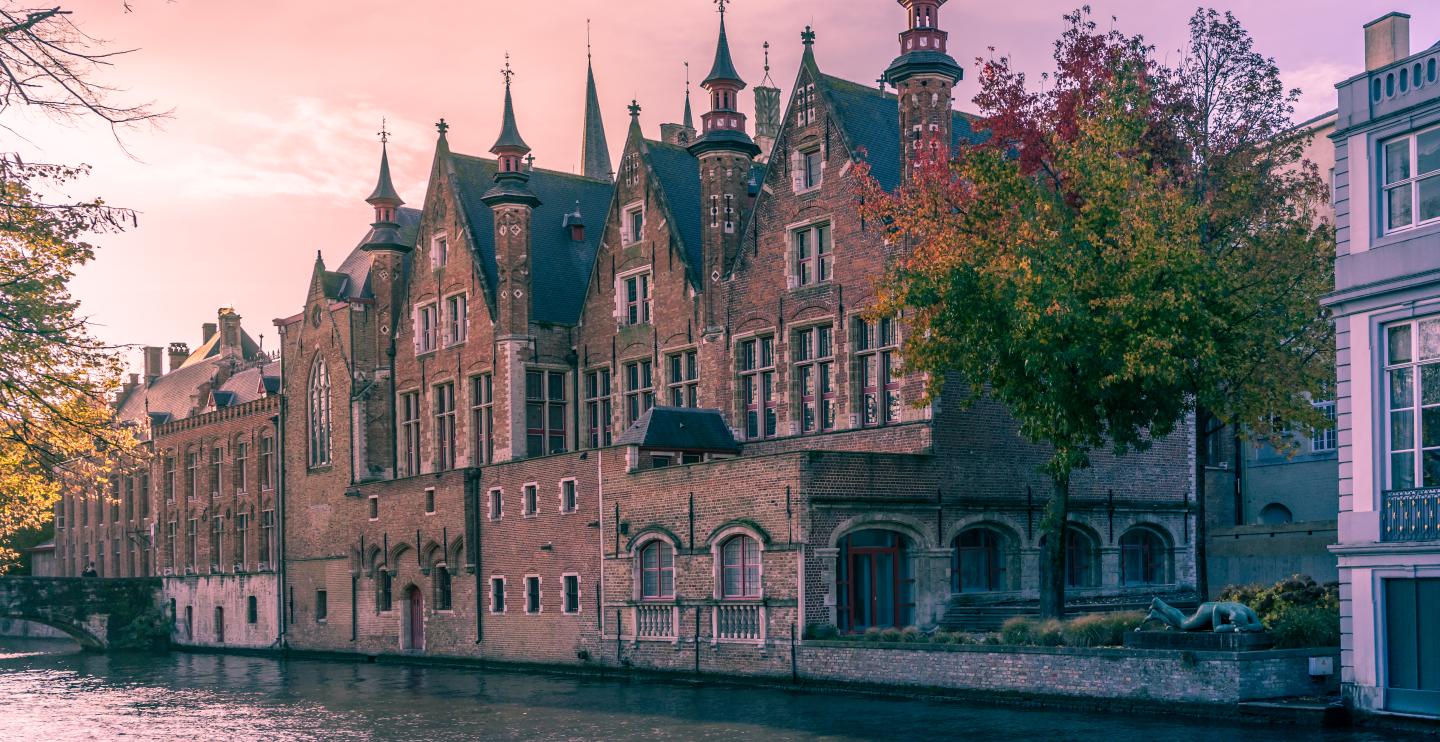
(99,613)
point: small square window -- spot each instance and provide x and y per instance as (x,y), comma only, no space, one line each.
(439,251)
(430,502)
(811,169)
(374,507)
(633,228)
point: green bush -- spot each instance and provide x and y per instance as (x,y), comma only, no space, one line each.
(1270,601)
(872,634)
(1018,630)
(912,635)
(821,631)
(1100,629)
(1301,626)
(889,635)
(1050,633)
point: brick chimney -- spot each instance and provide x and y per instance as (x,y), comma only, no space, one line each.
(1387,40)
(154,359)
(207,331)
(230,334)
(178,353)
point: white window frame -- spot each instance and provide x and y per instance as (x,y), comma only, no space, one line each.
(456,329)
(820,263)
(373,503)
(504,595)
(539,595)
(1326,439)
(579,594)
(439,250)
(529,499)
(431,507)
(627,226)
(495,504)
(644,304)
(1412,182)
(427,327)
(574,494)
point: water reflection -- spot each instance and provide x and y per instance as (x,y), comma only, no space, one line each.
(57,693)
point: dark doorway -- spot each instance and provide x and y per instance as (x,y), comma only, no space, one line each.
(875,584)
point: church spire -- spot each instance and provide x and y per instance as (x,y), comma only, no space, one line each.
(384,193)
(595,152)
(385,230)
(689,121)
(511,176)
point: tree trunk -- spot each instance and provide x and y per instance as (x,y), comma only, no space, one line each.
(1202,429)
(1052,553)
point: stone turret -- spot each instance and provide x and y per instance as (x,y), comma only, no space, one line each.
(924,76)
(513,204)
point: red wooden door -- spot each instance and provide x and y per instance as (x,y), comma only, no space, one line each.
(415,603)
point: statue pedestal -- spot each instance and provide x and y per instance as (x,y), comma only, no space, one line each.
(1199,641)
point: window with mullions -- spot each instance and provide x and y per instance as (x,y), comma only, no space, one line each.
(268,471)
(639,389)
(1412,394)
(814,357)
(636,299)
(657,571)
(597,407)
(482,420)
(241,468)
(427,328)
(814,261)
(457,322)
(1323,439)
(318,410)
(756,364)
(876,357)
(810,164)
(217,462)
(544,412)
(740,568)
(192,474)
(444,401)
(1412,180)
(409,434)
(167,477)
(684,383)
(442,588)
(217,538)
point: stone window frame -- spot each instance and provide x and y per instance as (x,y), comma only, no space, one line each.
(717,564)
(430,506)
(266,461)
(1411,183)
(643,395)
(427,337)
(757,371)
(192,472)
(482,418)
(637,550)
(319,415)
(504,600)
(688,384)
(860,353)
(410,448)
(627,226)
(439,250)
(240,460)
(445,421)
(454,333)
(537,597)
(530,500)
(814,359)
(574,495)
(565,595)
(821,265)
(495,504)
(643,305)
(546,401)
(800,175)
(599,427)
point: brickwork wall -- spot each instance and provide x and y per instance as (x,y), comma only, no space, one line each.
(197,597)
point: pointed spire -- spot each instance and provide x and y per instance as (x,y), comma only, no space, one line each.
(384,193)
(509,133)
(594,150)
(689,120)
(724,67)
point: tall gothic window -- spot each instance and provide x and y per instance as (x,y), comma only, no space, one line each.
(319,414)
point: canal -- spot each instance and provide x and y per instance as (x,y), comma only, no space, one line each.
(52,691)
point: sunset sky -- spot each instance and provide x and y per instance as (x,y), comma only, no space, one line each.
(272,146)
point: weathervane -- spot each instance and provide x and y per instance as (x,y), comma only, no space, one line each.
(384,134)
(587,38)
(507,73)
(721,3)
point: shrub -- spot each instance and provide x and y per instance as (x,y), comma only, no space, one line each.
(1048,633)
(912,635)
(1300,626)
(822,631)
(1269,602)
(889,635)
(1100,629)
(872,634)
(1018,630)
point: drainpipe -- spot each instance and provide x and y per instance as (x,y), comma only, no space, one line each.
(600,587)
(280,497)
(472,495)
(1239,481)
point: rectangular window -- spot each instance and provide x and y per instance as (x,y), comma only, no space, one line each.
(633,228)
(217,461)
(374,507)
(168,477)
(322,606)
(192,474)
(544,412)
(636,299)
(427,328)
(171,541)
(814,357)
(528,504)
(409,434)
(572,594)
(1323,439)
(242,539)
(439,251)
(129,498)
(1411,180)
(217,539)
(684,381)
(444,401)
(1412,394)
(812,169)
(876,360)
(192,543)
(268,471)
(597,407)
(430,501)
(813,258)
(144,494)
(567,496)
(497,594)
(267,537)
(532,594)
(482,420)
(456,319)
(639,389)
(242,459)
(497,504)
(756,363)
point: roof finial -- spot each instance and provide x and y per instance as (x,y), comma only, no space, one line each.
(587,39)
(442,127)
(634,108)
(507,73)
(807,37)
(767,79)
(721,3)
(384,134)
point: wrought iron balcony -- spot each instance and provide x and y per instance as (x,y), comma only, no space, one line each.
(1411,515)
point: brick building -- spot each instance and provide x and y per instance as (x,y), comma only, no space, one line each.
(200,509)
(619,417)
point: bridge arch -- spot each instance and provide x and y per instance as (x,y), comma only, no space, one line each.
(82,635)
(98,613)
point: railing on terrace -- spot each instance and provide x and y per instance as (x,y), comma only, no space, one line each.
(739,622)
(1411,515)
(655,622)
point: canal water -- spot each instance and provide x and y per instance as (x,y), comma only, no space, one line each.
(51,691)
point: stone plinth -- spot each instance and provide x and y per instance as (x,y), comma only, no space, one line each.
(1200,641)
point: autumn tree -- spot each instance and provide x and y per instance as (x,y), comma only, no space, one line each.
(1068,265)
(57,381)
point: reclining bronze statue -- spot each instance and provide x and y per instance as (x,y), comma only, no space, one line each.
(1220,617)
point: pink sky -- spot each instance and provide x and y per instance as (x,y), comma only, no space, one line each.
(272,146)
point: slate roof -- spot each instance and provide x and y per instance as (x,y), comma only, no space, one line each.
(559,268)
(724,67)
(682,429)
(384,189)
(678,172)
(170,395)
(594,151)
(871,120)
(211,348)
(352,279)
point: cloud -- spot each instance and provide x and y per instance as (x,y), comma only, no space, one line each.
(1316,82)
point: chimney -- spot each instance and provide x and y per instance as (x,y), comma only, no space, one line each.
(1387,40)
(153,361)
(677,134)
(229,334)
(207,331)
(178,353)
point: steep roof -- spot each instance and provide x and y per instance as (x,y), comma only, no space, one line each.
(595,152)
(724,67)
(870,119)
(678,173)
(352,279)
(384,189)
(680,428)
(211,348)
(559,267)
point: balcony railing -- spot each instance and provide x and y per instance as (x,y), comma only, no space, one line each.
(655,622)
(739,622)
(1411,515)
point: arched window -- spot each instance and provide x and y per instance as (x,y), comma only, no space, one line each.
(319,414)
(979,561)
(384,589)
(442,588)
(1079,558)
(740,568)
(657,571)
(1144,558)
(1275,514)
(875,582)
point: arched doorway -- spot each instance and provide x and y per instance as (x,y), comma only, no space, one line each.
(874,581)
(413,628)
(1144,557)
(979,561)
